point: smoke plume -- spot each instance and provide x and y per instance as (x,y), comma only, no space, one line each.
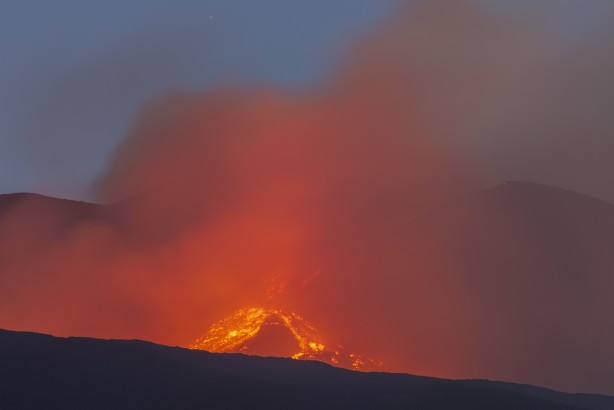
(350,205)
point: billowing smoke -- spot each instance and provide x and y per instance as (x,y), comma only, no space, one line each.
(519,90)
(350,205)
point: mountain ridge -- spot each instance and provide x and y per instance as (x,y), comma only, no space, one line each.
(44,371)
(548,247)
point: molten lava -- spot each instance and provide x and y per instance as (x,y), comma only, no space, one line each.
(274,332)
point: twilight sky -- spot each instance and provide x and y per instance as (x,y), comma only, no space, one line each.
(316,156)
(74,74)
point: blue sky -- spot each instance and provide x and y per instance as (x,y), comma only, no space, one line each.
(73,73)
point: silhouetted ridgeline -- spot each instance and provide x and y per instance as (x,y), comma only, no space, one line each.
(511,283)
(44,372)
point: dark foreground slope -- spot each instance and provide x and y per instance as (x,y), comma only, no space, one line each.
(41,371)
(512,283)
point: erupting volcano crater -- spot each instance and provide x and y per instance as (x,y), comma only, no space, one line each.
(274,332)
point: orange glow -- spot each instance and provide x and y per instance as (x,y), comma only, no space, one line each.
(348,203)
(236,333)
(302,203)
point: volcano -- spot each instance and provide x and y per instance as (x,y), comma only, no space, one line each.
(274,338)
(278,333)
(44,372)
(457,314)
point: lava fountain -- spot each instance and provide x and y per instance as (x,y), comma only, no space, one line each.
(274,332)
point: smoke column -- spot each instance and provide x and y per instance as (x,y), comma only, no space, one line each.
(347,204)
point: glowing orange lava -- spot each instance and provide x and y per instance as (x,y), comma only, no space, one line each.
(239,333)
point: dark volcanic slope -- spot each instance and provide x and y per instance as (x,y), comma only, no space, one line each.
(535,262)
(41,371)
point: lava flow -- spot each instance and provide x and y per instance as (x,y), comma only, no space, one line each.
(274,332)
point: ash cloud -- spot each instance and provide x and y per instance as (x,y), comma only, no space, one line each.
(519,91)
(352,200)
